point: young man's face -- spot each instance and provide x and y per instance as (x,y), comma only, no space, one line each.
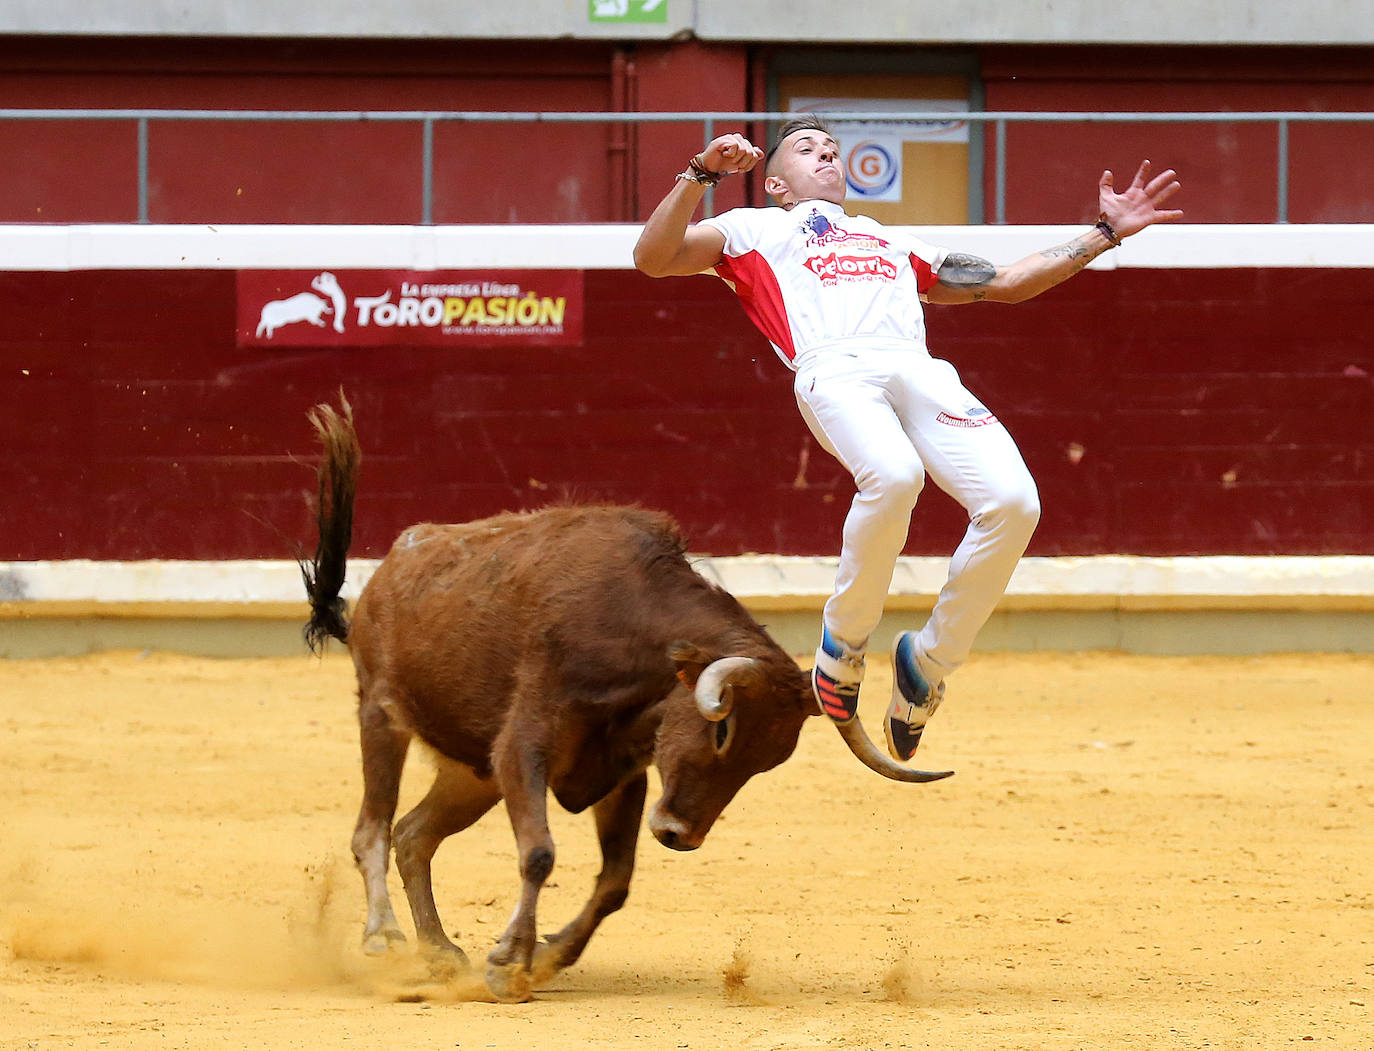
(806,167)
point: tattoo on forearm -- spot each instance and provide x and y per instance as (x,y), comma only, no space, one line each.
(1073,250)
(960,270)
(1078,255)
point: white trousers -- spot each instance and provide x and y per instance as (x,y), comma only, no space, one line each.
(891,417)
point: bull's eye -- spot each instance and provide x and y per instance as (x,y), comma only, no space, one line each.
(725,733)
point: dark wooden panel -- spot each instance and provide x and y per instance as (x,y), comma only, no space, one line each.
(1219,161)
(1296,425)
(279,172)
(1318,153)
(267,172)
(51,176)
(715,77)
(1313,517)
(561,169)
(1227,169)
(549,173)
(1233,465)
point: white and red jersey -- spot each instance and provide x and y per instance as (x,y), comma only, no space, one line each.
(811,276)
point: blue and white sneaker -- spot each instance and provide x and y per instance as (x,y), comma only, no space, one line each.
(835,678)
(914,700)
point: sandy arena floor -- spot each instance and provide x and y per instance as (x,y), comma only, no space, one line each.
(1135,853)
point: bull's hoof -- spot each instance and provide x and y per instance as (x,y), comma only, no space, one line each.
(509,983)
(549,959)
(382,943)
(446,961)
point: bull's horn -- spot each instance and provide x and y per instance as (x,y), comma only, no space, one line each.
(857,738)
(712,693)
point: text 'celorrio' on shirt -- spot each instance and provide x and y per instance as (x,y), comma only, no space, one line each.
(812,276)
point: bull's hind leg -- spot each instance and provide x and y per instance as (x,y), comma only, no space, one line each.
(457,798)
(617,827)
(384,756)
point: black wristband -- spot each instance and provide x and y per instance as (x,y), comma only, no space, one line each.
(1107,232)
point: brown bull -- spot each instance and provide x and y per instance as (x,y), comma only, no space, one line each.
(562,651)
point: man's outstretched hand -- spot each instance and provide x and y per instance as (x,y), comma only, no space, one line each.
(729,154)
(1138,206)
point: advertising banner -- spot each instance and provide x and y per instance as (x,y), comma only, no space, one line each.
(374,308)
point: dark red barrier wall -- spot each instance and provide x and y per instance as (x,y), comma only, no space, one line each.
(361,172)
(86,171)
(1229,170)
(1163,412)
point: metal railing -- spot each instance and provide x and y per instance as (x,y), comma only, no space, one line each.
(427,119)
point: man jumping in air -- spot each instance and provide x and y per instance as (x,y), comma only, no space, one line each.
(839,297)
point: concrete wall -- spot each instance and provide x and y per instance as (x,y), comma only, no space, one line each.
(889,21)
(1137,605)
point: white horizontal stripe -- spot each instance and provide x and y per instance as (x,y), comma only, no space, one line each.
(774,581)
(609,246)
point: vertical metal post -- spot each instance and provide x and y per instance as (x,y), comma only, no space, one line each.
(1000,162)
(977,166)
(709,205)
(427,172)
(142,169)
(1283,170)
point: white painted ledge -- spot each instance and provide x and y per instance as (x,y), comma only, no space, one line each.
(273,589)
(608,246)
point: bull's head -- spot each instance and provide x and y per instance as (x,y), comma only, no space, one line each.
(737,717)
(734,717)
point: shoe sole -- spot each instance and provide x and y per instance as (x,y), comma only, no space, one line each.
(904,750)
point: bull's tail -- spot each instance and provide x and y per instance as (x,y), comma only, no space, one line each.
(338,483)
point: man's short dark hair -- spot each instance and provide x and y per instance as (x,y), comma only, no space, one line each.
(796,124)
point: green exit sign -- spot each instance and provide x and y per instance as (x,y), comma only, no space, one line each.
(627,10)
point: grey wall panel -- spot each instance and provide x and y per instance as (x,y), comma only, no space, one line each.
(876,21)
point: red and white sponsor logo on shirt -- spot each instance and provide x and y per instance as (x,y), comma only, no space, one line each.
(981,419)
(835,267)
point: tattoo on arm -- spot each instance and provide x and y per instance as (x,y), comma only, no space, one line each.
(1073,250)
(960,270)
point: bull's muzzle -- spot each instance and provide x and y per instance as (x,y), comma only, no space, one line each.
(672,833)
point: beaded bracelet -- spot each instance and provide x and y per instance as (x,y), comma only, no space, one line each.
(698,173)
(1108,232)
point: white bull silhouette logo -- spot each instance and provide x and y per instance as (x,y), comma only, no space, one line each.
(305,307)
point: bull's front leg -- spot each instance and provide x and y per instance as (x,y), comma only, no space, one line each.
(521,771)
(617,828)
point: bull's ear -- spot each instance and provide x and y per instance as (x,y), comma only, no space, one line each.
(690,661)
